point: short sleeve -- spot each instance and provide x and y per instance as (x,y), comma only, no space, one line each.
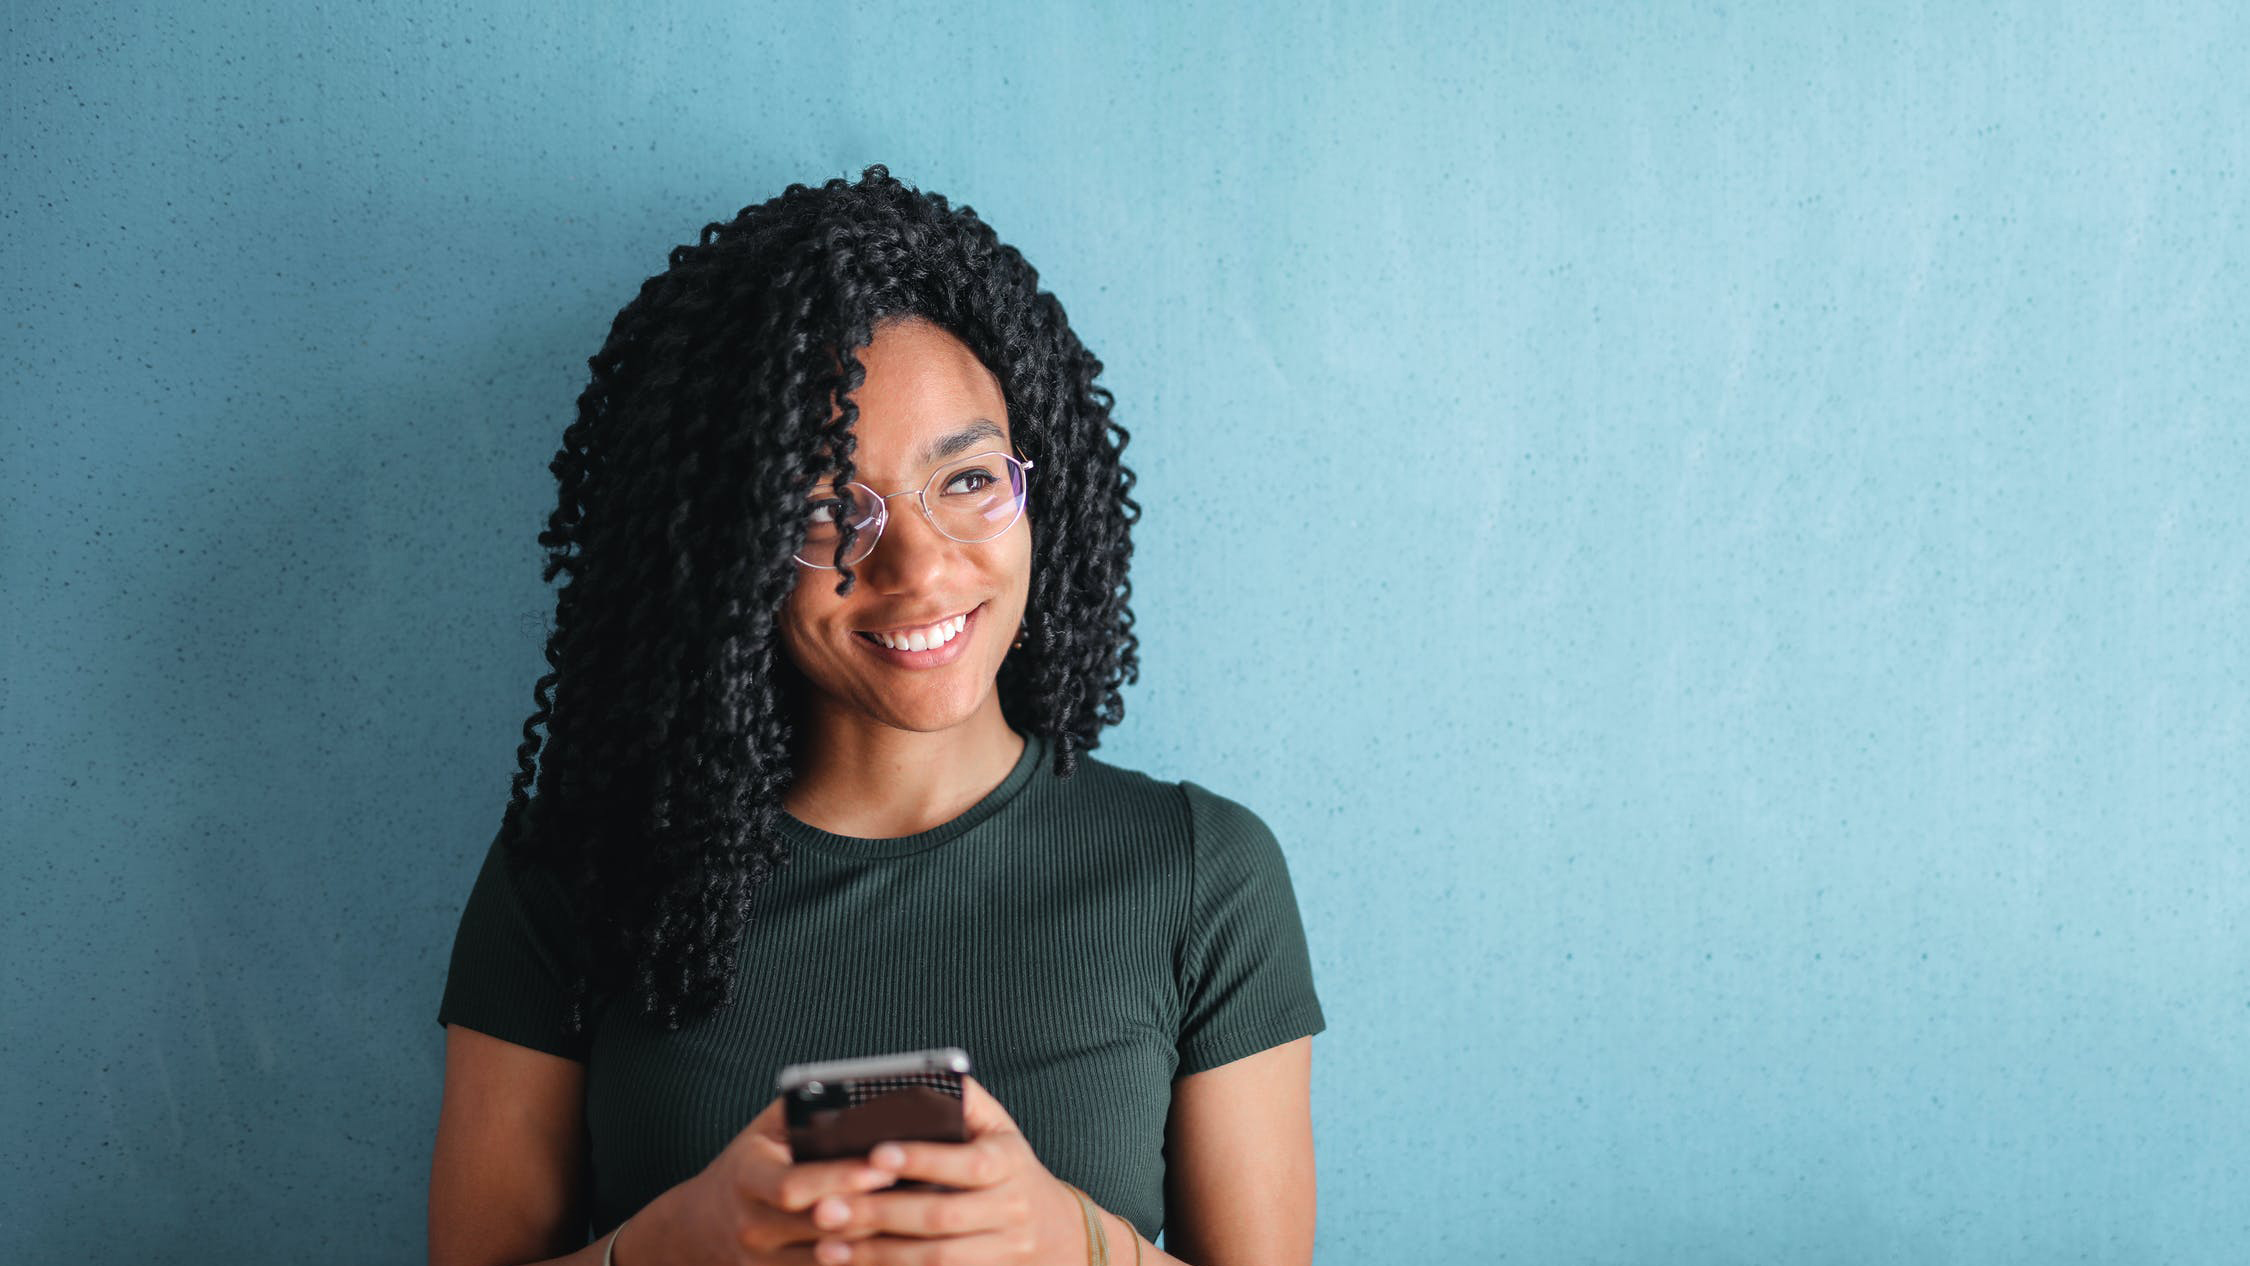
(1245,974)
(514,961)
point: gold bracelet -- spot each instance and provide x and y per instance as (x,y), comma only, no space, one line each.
(1082,1215)
(1097,1238)
(1135,1232)
(1101,1233)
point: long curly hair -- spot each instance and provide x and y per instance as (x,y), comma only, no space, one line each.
(669,703)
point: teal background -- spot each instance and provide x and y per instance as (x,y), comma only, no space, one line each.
(1740,631)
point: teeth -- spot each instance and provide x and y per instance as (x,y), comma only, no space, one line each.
(923,639)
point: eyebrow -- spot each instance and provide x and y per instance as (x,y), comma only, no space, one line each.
(962,440)
(958,442)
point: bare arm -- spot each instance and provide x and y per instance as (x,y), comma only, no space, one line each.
(508,1175)
(1239,1182)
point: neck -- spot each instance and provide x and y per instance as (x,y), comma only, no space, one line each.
(861,778)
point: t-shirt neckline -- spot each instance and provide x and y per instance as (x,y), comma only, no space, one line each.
(1027,765)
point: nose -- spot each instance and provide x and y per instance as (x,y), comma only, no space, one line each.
(911,554)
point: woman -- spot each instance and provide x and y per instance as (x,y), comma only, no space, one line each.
(846,534)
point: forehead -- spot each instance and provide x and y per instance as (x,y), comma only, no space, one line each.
(926,399)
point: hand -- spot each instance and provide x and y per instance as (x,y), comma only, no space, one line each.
(1009,1212)
(749,1207)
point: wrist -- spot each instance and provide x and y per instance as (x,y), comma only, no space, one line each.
(1123,1239)
(1074,1209)
(628,1245)
(1117,1239)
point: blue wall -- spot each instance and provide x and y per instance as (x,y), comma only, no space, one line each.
(1786,804)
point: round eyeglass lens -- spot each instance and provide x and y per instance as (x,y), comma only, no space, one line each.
(825,515)
(977,498)
(974,499)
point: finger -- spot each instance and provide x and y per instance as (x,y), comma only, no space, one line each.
(983,1248)
(978,1163)
(918,1214)
(794,1188)
(771,1122)
(982,1113)
(783,1231)
(766,1137)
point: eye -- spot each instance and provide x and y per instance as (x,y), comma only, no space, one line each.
(978,476)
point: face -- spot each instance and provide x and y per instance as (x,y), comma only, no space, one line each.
(923,386)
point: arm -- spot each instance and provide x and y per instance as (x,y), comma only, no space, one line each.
(507,1176)
(1240,1182)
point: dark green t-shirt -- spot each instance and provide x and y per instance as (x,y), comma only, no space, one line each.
(1086,940)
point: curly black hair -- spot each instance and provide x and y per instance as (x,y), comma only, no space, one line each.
(670,701)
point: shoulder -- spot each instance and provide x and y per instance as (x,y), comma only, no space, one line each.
(1221,821)
(1180,821)
(1199,812)
(1123,794)
(1236,857)
(519,887)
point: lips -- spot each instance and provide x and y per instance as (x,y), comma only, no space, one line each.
(897,629)
(935,656)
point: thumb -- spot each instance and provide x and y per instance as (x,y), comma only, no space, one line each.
(982,1113)
(768,1131)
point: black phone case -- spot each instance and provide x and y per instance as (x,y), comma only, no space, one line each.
(847,1117)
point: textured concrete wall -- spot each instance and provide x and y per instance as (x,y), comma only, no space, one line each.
(1714,535)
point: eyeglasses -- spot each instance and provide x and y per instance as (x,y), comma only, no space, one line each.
(976,499)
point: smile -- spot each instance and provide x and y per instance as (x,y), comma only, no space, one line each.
(930,646)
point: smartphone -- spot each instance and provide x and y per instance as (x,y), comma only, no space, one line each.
(841,1108)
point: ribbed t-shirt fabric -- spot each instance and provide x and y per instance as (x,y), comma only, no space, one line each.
(1086,940)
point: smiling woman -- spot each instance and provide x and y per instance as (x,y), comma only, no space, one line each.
(907,721)
(845,532)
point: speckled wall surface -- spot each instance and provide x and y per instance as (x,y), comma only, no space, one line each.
(1785,804)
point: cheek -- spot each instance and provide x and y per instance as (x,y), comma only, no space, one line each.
(792,621)
(811,597)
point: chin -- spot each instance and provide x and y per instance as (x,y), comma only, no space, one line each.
(928,715)
(929,723)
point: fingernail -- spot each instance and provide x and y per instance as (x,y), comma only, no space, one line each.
(888,1155)
(831,1211)
(833,1251)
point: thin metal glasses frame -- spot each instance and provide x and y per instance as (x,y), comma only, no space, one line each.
(921,498)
